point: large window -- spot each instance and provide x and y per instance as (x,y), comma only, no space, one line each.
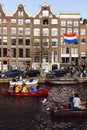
(27,53)
(45,32)
(4,52)
(54,42)
(76,23)
(27,31)
(20,13)
(45,13)
(69,30)
(36,42)
(37,56)
(13,20)
(20,41)
(76,30)
(36,32)
(63,23)
(4,41)
(20,31)
(36,21)
(63,30)
(13,40)
(54,32)
(27,41)
(83,31)
(20,21)
(13,30)
(54,21)
(4,30)
(13,52)
(20,53)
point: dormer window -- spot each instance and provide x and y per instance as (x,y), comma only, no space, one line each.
(20,13)
(45,22)
(45,13)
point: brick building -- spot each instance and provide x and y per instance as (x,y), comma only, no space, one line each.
(36,41)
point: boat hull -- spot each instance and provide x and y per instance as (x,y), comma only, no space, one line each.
(27,94)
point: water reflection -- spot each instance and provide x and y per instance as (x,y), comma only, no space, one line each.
(25,113)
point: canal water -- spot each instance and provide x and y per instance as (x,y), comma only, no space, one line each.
(26,113)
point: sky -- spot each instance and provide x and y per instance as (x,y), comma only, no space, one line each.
(57,6)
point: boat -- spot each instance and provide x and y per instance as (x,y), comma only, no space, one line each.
(39,92)
(29,82)
(61,81)
(65,112)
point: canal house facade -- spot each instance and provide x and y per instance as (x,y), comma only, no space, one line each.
(36,41)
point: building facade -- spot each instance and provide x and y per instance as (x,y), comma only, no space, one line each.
(36,41)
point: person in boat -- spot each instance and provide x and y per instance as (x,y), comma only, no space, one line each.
(77,102)
(17,89)
(24,88)
(34,89)
(71,97)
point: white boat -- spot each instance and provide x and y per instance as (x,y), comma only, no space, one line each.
(29,82)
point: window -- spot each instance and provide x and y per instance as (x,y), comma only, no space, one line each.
(27,53)
(54,21)
(20,41)
(69,30)
(37,56)
(69,23)
(36,42)
(83,41)
(65,50)
(20,31)
(4,52)
(27,21)
(20,53)
(54,32)
(83,54)
(36,32)
(45,13)
(54,42)
(45,55)
(13,52)
(45,32)
(20,21)
(20,13)
(13,20)
(74,50)
(45,22)
(13,40)
(76,23)
(65,59)
(36,21)
(63,30)
(4,30)
(27,31)
(63,23)
(4,41)
(13,30)
(54,56)
(27,41)
(45,42)
(83,31)
(76,30)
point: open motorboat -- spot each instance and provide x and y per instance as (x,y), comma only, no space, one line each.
(29,82)
(64,111)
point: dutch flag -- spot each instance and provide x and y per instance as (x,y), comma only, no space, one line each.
(70,38)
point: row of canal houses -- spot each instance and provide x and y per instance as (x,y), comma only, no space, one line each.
(36,41)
